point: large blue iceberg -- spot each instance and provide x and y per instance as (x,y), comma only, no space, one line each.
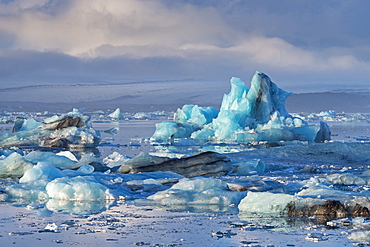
(246,115)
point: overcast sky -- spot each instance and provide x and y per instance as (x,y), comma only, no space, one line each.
(294,42)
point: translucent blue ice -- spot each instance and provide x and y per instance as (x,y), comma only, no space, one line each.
(57,160)
(246,115)
(14,166)
(41,171)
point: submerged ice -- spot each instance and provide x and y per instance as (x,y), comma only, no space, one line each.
(246,115)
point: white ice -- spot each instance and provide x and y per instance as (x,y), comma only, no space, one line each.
(198,191)
(116,114)
(264,202)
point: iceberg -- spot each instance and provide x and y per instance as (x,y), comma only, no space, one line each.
(65,131)
(245,116)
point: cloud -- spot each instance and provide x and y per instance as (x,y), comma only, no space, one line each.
(89,24)
(167,38)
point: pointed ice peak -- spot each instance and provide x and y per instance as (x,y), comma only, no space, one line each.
(116,114)
(265,97)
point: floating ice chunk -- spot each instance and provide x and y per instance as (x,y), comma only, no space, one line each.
(41,171)
(360,236)
(116,114)
(316,236)
(54,227)
(86,169)
(115,159)
(264,202)
(91,160)
(142,115)
(14,166)
(250,183)
(206,191)
(78,188)
(59,161)
(200,184)
(167,130)
(346,178)
(247,166)
(323,191)
(68,154)
(195,114)
(324,133)
(327,113)
(306,133)
(31,191)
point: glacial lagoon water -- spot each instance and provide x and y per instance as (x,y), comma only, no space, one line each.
(128,223)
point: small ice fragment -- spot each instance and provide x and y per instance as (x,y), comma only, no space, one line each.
(116,114)
(55,228)
(34,206)
(316,237)
(86,169)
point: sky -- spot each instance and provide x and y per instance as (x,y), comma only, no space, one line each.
(295,42)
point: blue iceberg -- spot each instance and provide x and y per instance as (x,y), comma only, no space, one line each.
(246,115)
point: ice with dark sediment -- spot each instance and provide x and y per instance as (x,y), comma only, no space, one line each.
(61,131)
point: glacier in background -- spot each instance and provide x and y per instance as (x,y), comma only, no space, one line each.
(246,115)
